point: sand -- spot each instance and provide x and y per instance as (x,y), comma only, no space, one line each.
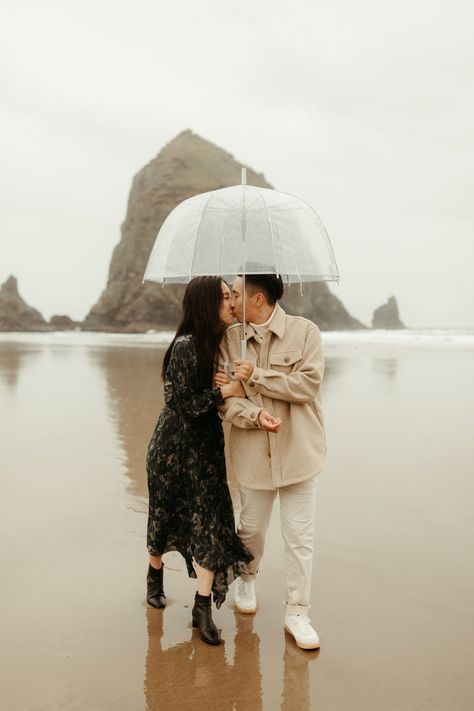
(393,581)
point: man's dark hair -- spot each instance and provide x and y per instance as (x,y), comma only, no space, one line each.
(269,284)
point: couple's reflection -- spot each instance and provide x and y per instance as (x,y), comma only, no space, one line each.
(193,675)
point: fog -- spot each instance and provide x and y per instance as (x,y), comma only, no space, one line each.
(363,109)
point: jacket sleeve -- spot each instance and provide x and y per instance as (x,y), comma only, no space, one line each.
(239,411)
(301,385)
(191,400)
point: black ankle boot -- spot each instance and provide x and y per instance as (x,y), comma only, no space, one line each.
(202,618)
(155,595)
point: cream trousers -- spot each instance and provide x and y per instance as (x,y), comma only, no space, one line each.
(297,520)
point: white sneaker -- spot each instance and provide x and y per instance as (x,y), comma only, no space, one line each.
(299,626)
(244,596)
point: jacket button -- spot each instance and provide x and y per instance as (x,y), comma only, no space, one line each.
(252,415)
(251,385)
(257,377)
(287,360)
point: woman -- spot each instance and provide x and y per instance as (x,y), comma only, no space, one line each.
(190,509)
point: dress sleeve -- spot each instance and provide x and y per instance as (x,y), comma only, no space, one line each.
(191,399)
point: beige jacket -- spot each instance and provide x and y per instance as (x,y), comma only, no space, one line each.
(286,381)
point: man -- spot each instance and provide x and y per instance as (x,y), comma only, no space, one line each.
(281,375)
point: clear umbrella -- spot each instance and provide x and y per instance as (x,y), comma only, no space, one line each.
(242,230)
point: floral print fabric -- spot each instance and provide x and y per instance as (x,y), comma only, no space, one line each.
(190,509)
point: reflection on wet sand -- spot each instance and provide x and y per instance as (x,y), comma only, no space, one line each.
(391,589)
(387,367)
(333,368)
(135,391)
(296,668)
(12,360)
(192,675)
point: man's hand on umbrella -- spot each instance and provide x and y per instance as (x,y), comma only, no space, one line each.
(243,369)
(269,422)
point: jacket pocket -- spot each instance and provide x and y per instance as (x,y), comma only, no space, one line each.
(285,359)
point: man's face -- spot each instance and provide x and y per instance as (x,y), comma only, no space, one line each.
(237,302)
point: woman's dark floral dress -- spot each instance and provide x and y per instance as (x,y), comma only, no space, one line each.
(190,509)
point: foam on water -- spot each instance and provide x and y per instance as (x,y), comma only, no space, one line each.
(89,338)
(333,340)
(407,338)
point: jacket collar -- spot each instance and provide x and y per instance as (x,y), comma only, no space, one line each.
(277,324)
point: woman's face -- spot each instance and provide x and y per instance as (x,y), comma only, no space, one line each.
(226,313)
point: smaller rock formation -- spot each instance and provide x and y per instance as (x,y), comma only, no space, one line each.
(386,316)
(15,314)
(63,323)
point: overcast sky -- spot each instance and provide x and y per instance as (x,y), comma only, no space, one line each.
(365,109)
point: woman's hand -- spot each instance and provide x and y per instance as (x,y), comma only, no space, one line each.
(233,388)
(220,379)
(268,422)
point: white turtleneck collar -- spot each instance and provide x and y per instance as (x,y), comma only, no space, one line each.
(261,328)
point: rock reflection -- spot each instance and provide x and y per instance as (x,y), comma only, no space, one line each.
(387,367)
(135,392)
(193,675)
(333,368)
(12,359)
(136,397)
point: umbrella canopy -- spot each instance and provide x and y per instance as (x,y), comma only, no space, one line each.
(242,229)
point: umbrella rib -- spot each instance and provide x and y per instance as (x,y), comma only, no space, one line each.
(197,231)
(271,231)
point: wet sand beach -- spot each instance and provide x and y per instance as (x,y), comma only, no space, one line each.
(393,580)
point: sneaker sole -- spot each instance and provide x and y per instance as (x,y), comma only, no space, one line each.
(246,610)
(302,645)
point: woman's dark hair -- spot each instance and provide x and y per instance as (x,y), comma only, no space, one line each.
(269,284)
(201,303)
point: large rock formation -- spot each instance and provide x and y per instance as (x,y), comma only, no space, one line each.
(317,302)
(386,316)
(188,165)
(15,314)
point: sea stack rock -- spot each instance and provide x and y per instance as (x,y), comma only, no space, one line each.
(59,322)
(386,316)
(15,314)
(186,166)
